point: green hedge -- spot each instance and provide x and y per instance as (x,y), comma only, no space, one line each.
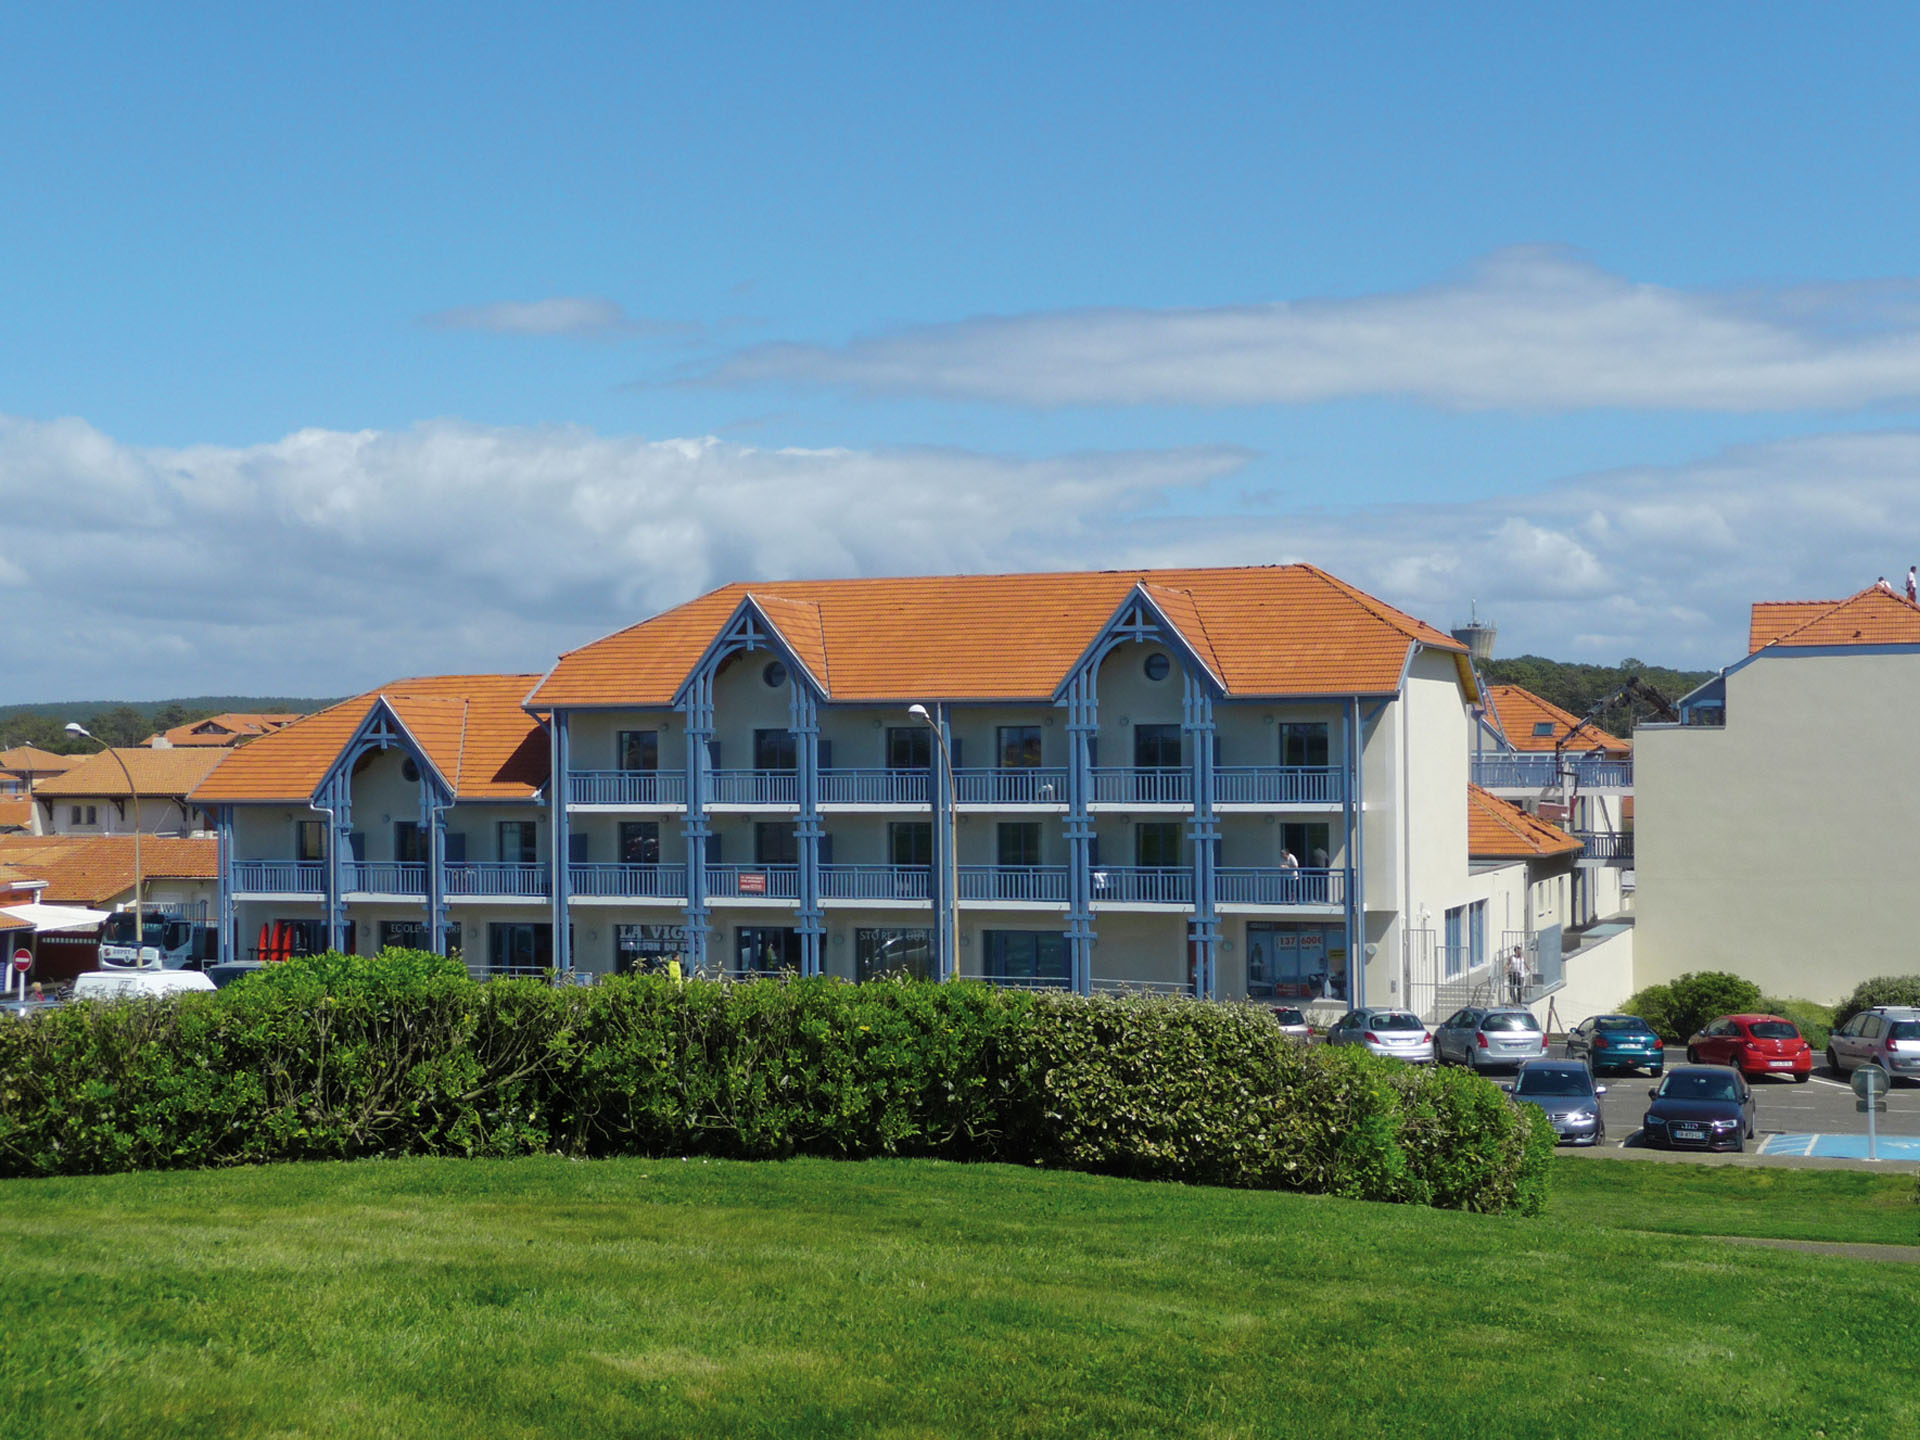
(1881,990)
(1680,1007)
(337,1057)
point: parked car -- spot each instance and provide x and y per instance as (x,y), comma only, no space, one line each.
(1753,1045)
(1887,1036)
(1700,1107)
(1399,1033)
(1481,1037)
(1616,1042)
(1565,1090)
(1292,1023)
(27,1009)
(137,984)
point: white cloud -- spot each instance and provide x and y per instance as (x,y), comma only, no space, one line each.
(328,560)
(589,316)
(1528,328)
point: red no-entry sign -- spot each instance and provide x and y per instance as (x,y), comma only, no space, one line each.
(23,959)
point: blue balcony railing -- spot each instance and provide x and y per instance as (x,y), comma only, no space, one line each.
(1541,770)
(656,882)
(1044,884)
(1142,884)
(280,877)
(384,877)
(874,787)
(1040,785)
(876,882)
(753,787)
(627,787)
(1614,845)
(495,878)
(753,882)
(1241,886)
(1122,786)
(1279,785)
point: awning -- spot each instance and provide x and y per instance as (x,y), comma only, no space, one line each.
(42,918)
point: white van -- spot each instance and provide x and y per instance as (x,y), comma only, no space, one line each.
(137,984)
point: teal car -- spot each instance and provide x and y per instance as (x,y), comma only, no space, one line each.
(1616,1042)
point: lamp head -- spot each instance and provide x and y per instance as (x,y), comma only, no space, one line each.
(74,727)
(919,710)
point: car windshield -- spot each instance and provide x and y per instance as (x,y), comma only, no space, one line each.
(1394,1020)
(1289,1017)
(1629,1023)
(1774,1030)
(1516,1021)
(1904,1030)
(1553,1082)
(1700,1085)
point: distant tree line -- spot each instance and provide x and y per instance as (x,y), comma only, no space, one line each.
(1575,688)
(123,724)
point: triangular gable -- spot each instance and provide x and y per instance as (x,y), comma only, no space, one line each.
(798,622)
(1141,595)
(384,723)
(1180,611)
(439,726)
(749,627)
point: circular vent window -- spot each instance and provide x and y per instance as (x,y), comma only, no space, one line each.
(1158,666)
(409,771)
(775,674)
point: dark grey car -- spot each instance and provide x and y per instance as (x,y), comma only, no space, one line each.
(1565,1090)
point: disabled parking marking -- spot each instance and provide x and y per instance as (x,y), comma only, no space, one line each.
(1842,1147)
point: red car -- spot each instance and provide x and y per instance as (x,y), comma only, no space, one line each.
(1754,1045)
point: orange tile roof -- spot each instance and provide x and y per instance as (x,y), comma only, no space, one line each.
(1519,710)
(1272,630)
(1497,830)
(155,773)
(92,869)
(472,729)
(32,760)
(233,728)
(1871,617)
(16,812)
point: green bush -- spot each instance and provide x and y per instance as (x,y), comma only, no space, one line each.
(1882,990)
(337,1057)
(1679,1008)
(1815,1020)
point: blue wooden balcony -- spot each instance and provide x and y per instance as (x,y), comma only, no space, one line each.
(1116,785)
(753,787)
(648,882)
(1613,847)
(653,788)
(383,877)
(280,877)
(876,882)
(1540,771)
(1311,887)
(1143,885)
(1279,785)
(1039,785)
(495,880)
(753,882)
(1025,884)
(875,787)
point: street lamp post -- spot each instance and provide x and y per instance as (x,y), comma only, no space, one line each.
(74,727)
(953,842)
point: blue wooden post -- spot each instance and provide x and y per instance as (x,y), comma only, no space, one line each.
(437,911)
(946,841)
(804,718)
(1356,876)
(560,844)
(697,705)
(229,935)
(339,798)
(1203,930)
(1083,724)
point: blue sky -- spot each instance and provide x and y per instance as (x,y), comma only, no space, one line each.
(399,339)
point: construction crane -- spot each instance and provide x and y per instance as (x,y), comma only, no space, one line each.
(1566,767)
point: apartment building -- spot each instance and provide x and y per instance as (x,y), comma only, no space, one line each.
(126,789)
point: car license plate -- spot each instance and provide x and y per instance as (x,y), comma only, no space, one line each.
(1689,1132)
(1780,1064)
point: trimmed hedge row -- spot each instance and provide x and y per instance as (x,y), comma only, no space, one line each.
(339,1057)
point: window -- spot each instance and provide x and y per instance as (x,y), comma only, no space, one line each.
(766,948)
(1456,941)
(1303,743)
(516,843)
(1296,961)
(1025,955)
(1019,746)
(1157,844)
(646,949)
(638,749)
(82,814)
(640,842)
(409,770)
(409,844)
(1307,844)
(404,935)
(893,952)
(1476,934)
(310,840)
(775,842)
(774,675)
(519,948)
(1156,747)
(910,842)
(1018,843)
(1543,727)
(774,750)
(909,747)
(1157,666)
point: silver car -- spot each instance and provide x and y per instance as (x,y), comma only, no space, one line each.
(1398,1033)
(1481,1037)
(1292,1023)
(1887,1036)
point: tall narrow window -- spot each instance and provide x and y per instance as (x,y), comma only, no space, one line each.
(1156,845)
(774,750)
(909,747)
(312,840)
(409,844)
(1156,747)
(1303,743)
(775,843)
(1018,843)
(640,842)
(516,838)
(1019,746)
(910,842)
(638,749)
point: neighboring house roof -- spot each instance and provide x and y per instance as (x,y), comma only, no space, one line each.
(472,729)
(1273,630)
(92,869)
(32,760)
(1871,617)
(1498,830)
(16,812)
(1523,714)
(156,773)
(233,728)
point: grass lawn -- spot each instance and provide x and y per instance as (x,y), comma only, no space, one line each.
(632,1298)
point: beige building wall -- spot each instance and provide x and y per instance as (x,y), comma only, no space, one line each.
(1783,847)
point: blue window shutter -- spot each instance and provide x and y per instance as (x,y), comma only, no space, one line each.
(357,842)
(456,847)
(577,848)
(713,753)
(1093,750)
(713,849)
(1093,852)
(826,849)
(826,754)
(953,746)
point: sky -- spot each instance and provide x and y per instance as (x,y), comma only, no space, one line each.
(352,342)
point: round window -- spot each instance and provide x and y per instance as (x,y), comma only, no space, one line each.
(1157,666)
(409,771)
(775,674)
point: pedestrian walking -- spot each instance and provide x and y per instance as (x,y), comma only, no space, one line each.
(1913,584)
(1517,975)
